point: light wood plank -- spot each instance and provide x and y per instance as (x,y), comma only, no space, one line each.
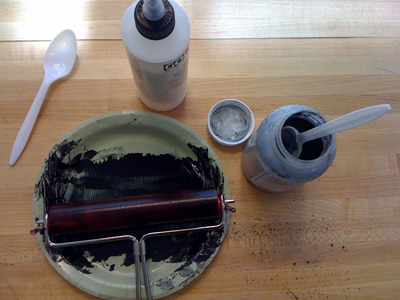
(222,59)
(336,237)
(24,20)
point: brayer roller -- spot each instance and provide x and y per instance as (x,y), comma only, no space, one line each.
(134,212)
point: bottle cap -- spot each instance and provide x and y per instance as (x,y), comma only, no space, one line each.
(155,30)
(230,122)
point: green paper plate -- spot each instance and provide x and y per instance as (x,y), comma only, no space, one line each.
(119,154)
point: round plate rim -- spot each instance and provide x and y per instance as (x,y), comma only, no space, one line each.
(72,278)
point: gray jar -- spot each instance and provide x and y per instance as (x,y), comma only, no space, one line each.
(267,163)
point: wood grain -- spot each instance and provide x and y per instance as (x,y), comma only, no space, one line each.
(337,237)
(24,20)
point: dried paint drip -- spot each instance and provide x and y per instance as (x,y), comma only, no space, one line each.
(230,123)
(71,178)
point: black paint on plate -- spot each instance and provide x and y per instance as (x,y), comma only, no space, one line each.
(73,178)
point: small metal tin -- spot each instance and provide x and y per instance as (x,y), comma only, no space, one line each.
(230,122)
(269,165)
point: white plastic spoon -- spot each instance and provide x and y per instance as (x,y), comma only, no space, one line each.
(58,62)
(293,140)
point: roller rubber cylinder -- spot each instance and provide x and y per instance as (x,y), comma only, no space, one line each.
(134,212)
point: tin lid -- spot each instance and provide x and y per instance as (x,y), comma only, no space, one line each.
(230,122)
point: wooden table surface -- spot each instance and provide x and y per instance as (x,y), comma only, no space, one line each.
(336,237)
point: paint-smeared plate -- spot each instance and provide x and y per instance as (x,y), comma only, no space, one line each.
(120,154)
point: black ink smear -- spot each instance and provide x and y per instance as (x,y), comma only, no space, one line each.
(68,178)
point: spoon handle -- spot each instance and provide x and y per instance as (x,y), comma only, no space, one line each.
(26,128)
(349,121)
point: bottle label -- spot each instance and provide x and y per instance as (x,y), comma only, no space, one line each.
(177,71)
(250,162)
(166,80)
(175,63)
(271,182)
(259,174)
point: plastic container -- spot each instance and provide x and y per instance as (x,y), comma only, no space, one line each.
(267,163)
(230,122)
(157,51)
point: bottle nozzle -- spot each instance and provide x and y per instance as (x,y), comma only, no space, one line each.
(154,19)
(153,10)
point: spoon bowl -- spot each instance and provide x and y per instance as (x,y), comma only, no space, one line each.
(61,54)
(289,139)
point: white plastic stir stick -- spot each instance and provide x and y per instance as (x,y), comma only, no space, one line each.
(58,62)
(294,140)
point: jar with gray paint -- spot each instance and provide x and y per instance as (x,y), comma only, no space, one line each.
(269,165)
